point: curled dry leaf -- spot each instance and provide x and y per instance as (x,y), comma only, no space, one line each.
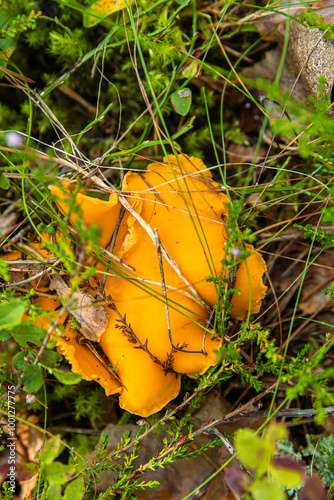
(93,319)
(156,328)
(266,20)
(313,56)
(310,56)
(71,344)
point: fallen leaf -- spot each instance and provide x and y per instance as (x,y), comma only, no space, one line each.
(99,10)
(310,55)
(313,56)
(267,20)
(7,224)
(93,319)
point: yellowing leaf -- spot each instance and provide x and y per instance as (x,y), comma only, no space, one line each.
(254,453)
(267,490)
(288,472)
(275,433)
(101,9)
(51,450)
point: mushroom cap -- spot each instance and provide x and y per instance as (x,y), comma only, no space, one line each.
(148,348)
(84,362)
(146,387)
(249,281)
(189,210)
(93,210)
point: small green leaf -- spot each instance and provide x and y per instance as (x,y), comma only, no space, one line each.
(254,453)
(181,101)
(58,473)
(51,450)
(53,492)
(287,472)
(275,433)
(248,28)
(7,47)
(4,182)
(11,314)
(190,70)
(4,272)
(315,21)
(19,361)
(28,332)
(75,490)
(4,335)
(49,359)
(32,378)
(66,378)
(267,490)
(46,228)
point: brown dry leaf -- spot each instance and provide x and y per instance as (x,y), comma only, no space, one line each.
(218,490)
(214,406)
(93,318)
(24,479)
(178,479)
(310,55)
(269,19)
(267,69)
(318,278)
(239,154)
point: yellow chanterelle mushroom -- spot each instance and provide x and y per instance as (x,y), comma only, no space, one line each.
(157,326)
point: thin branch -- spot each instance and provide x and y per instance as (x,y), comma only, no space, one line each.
(32,278)
(158,247)
(131,336)
(112,242)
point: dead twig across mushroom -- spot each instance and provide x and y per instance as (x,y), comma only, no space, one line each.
(133,339)
(165,253)
(88,345)
(163,284)
(112,242)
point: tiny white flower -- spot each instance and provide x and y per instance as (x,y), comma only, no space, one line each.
(236,252)
(14,139)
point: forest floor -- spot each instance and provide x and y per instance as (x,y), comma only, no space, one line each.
(99,288)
